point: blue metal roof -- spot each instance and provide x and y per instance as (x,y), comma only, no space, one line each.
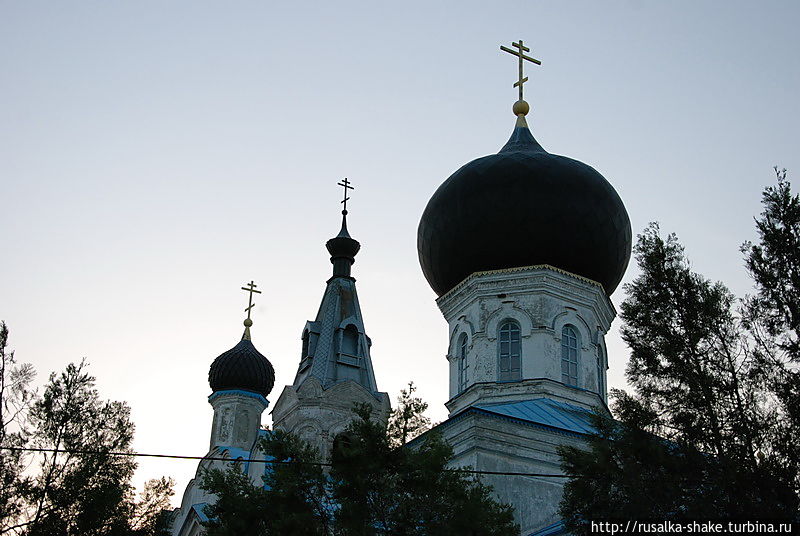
(198,509)
(550,530)
(545,412)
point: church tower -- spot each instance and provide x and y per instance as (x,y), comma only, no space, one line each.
(240,380)
(523,249)
(335,371)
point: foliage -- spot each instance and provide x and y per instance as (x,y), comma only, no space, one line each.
(772,315)
(83,485)
(381,489)
(690,364)
(774,265)
(705,433)
(15,398)
(241,507)
(152,514)
(90,491)
(408,420)
(374,486)
(293,500)
(627,472)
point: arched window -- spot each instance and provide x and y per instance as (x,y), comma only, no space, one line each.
(305,351)
(462,362)
(569,356)
(350,341)
(509,352)
(601,383)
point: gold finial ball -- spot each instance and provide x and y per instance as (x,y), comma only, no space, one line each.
(248,322)
(521,108)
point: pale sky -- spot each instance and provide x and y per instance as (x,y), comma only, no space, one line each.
(155,156)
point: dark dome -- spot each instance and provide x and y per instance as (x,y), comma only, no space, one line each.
(242,367)
(520,207)
(342,245)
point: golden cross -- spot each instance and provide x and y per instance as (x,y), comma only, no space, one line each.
(520,53)
(251,288)
(346,185)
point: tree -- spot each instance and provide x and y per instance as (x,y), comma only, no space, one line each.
(295,498)
(15,399)
(702,435)
(627,473)
(774,266)
(152,514)
(82,488)
(408,419)
(381,489)
(772,315)
(83,483)
(375,485)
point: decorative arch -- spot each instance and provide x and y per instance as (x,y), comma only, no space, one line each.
(310,430)
(350,320)
(462,327)
(572,318)
(522,317)
(349,344)
(338,428)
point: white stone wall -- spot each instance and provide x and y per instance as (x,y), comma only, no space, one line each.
(234,434)
(318,415)
(542,300)
(237,419)
(492,444)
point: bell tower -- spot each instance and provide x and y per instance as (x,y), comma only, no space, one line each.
(335,370)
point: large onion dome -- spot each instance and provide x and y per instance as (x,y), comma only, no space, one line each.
(521,207)
(242,367)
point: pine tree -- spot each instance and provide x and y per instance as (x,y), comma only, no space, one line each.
(15,399)
(374,486)
(83,483)
(772,315)
(707,432)
(774,265)
(408,419)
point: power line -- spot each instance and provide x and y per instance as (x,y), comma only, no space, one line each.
(252,460)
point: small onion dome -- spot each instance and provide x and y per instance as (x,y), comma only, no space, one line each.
(343,250)
(521,207)
(242,367)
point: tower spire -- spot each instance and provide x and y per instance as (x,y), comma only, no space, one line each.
(335,370)
(342,247)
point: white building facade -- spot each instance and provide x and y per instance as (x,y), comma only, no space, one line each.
(527,362)
(240,379)
(524,249)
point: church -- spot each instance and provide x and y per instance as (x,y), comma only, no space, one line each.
(523,249)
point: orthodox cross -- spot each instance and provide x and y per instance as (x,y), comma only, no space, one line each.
(346,185)
(520,53)
(251,288)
